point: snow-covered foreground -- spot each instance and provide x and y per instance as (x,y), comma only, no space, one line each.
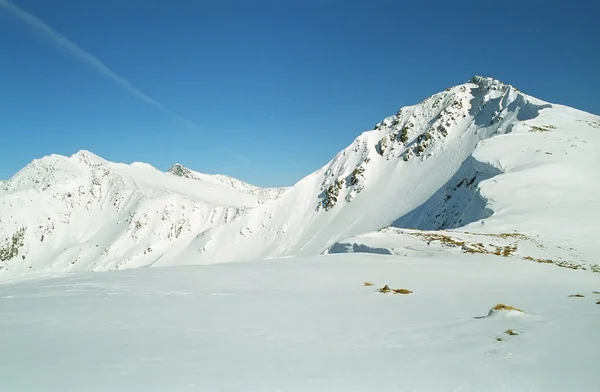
(305,324)
(479,195)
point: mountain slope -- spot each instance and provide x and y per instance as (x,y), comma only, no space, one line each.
(479,150)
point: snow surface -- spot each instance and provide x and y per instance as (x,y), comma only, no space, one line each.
(304,324)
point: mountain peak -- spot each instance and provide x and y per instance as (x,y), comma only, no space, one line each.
(180,171)
(88,158)
(488,82)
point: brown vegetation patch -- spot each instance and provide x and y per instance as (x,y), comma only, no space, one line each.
(443,239)
(505,251)
(475,248)
(385,289)
(541,128)
(501,235)
(506,307)
(563,263)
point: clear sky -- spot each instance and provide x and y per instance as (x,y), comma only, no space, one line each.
(265,90)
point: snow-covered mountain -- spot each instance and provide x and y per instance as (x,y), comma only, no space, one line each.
(83,212)
(481,158)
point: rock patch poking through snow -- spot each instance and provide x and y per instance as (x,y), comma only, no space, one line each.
(505,310)
(386,290)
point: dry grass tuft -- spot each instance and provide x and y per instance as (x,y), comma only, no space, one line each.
(598,302)
(506,307)
(544,261)
(385,289)
(561,263)
(510,332)
(443,239)
(515,235)
(401,291)
(505,251)
(577,295)
(474,248)
(479,247)
(541,128)
(367,284)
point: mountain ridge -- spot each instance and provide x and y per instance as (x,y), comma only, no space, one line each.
(433,165)
(263,194)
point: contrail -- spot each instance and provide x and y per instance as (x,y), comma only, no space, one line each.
(87,58)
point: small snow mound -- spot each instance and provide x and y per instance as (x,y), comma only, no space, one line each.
(505,310)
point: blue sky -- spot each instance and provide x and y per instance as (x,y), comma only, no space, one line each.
(266,91)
